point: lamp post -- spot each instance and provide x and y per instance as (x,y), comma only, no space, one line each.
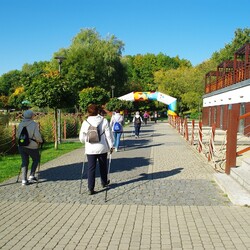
(112,88)
(60,59)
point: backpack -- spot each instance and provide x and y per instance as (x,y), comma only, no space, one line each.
(137,120)
(117,127)
(24,139)
(93,134)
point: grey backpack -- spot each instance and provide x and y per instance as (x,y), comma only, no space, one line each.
(93,134)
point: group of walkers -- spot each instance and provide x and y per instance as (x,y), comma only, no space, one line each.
(99,136)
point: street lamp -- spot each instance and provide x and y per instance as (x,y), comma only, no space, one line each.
(112,88)
(60,59)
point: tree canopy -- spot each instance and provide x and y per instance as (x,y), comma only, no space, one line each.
(95,95)
(93,64)
(91,61)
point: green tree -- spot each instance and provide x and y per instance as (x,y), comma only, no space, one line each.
(96,95)
(116,104)
(4,101)
(16,98)
(185,84)
(241,37)
(141,69)
(51,90)
(37,68)
(11,80)
(91,59)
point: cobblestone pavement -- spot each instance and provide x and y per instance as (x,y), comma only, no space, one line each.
(162,196)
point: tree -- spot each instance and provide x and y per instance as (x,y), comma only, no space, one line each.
(51,90)
(3,101)
(16,98)
(11,80)
(91,59)
(116,104)
(185,84)
(94,95)
(241,37)
(141,69)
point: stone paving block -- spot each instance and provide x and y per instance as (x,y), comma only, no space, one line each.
(161,195)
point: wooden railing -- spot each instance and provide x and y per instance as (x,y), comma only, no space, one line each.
(238,75)
(238,153)
(231,149)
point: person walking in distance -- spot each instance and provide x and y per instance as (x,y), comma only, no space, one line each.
(32,149)
(155,116)
(116,124)
(137,120)
(145,117)
(96,150)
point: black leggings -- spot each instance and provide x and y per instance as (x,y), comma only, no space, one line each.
(92,161)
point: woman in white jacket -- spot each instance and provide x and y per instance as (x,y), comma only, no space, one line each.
(137,120)
(117,118)
(96,151)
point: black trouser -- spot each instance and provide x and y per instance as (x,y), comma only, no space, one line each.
(92,161)
(25,154)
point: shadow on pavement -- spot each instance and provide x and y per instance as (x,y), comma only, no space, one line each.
(143,179)
(73,171)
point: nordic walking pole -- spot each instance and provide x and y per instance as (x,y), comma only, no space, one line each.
(19,174)
(106,191)
(83,164)
(123,141)
(38,172)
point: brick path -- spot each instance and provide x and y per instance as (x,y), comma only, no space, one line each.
(162,196)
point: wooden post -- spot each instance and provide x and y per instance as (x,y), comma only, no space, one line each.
(179,125)
(65,129)
(200,137)
(192,135)
(186,129)
(231,148)
(13,141)
(211,143)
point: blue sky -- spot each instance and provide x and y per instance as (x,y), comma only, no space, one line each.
(32,30)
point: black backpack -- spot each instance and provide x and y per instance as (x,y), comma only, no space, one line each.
(24,139)
(137,120)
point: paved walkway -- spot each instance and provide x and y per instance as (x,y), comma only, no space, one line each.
(162,196)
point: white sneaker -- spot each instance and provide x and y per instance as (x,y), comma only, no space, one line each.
(32,178)
(25,183)
(116,149)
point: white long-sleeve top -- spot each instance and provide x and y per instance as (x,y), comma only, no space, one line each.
(137,116)
(106,142)
(116,118)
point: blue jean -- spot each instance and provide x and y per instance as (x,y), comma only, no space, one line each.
(137,129)
(117,138)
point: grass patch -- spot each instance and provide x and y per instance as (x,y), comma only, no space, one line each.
(10,164)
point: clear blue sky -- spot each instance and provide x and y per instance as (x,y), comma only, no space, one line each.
(32,30)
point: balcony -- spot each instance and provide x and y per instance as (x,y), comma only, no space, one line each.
(230,72)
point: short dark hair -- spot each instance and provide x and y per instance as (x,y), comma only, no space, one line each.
(93,109)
